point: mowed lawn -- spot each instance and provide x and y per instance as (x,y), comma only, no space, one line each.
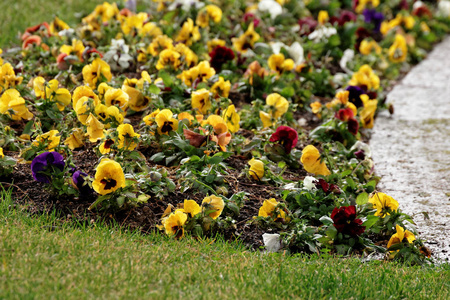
(42,257)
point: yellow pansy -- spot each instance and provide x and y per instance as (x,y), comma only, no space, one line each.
(174,224)
(368,112)
(84,91)
(95,129)
(268,209)
(231,118)
(398,50)
(51,139)
(150,29)
(150,119)
(315,107)
(133,24)
(168,57)
(279,64)
(117,97)
(246,40)
(1,153)
(57,25)
(278,105)
(311,161)
(105,146)
(365,77)
(75,139)
(13,105)
(323,17)
(8,77)
(200,101)
(188,33)
(256,168)
(400,235)
(191,207)
(77,48)
(109,177)
(213,204)
(187,55)
(362,4)
(61,96)
(221,88)
(368,46)
(212,12)
(266,119)
(137,100)
(382,202)
(160,43)
(127,137)
(97,71)
(166,122)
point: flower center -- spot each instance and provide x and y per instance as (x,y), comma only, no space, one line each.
(109,183)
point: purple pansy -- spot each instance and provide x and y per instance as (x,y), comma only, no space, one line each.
(46,162)
(78,179)
(374,17)
(354,95)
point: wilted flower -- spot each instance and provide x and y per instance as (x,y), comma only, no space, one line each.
(213,205)
(345,221)
(383,203)
(286,137)
(256,169)
(326,187)
(95,129)
(75,139)
(47,162)
(311,161)
(109,177)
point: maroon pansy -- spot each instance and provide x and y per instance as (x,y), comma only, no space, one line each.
(219,56)
(345,221)
(353,126)
(307,25)
(344,114)
(285,136)
(326,187)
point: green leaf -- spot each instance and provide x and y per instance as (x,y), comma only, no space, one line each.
(215,160)
(326,220)
(154,89)
(362,198)
(331,231)
(157,157)
(27,128)
(371,220)
(166,78)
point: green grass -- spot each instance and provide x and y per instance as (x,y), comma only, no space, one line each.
(17,15)
(41,257)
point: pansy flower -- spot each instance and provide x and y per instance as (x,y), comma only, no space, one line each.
(383,203)
(256,169)
(269,209)
(98,70)
(246,40)
(400,236)
(188,33)
(75,139)
(286,137)
(117,97)
(44,163)
(221,88)
(109,177)
(278,105)
(398,50)
(49,139)
(166,123)
(209,12)
(127,137)
(95,129)
(174,224)
(279,64)
(345,221)
(80,182)
(168,57)
(220,55)
(13,105)
(191,208)
(312,162)
(231,118)
(213,205)
(200,101)
(160,43)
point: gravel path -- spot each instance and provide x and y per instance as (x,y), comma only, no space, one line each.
(411,148)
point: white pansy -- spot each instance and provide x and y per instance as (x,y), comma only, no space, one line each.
(362,146)
(272,241)
(270,6)
(117,56)
(346,57)
(322,32)
(444,8)
(276,47)
(185,4)
(297,53)
(309,183)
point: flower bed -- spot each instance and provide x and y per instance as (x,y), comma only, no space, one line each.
(189,120)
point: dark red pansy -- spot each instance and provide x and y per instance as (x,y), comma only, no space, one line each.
(219,56)
(345,221)
(285,136)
